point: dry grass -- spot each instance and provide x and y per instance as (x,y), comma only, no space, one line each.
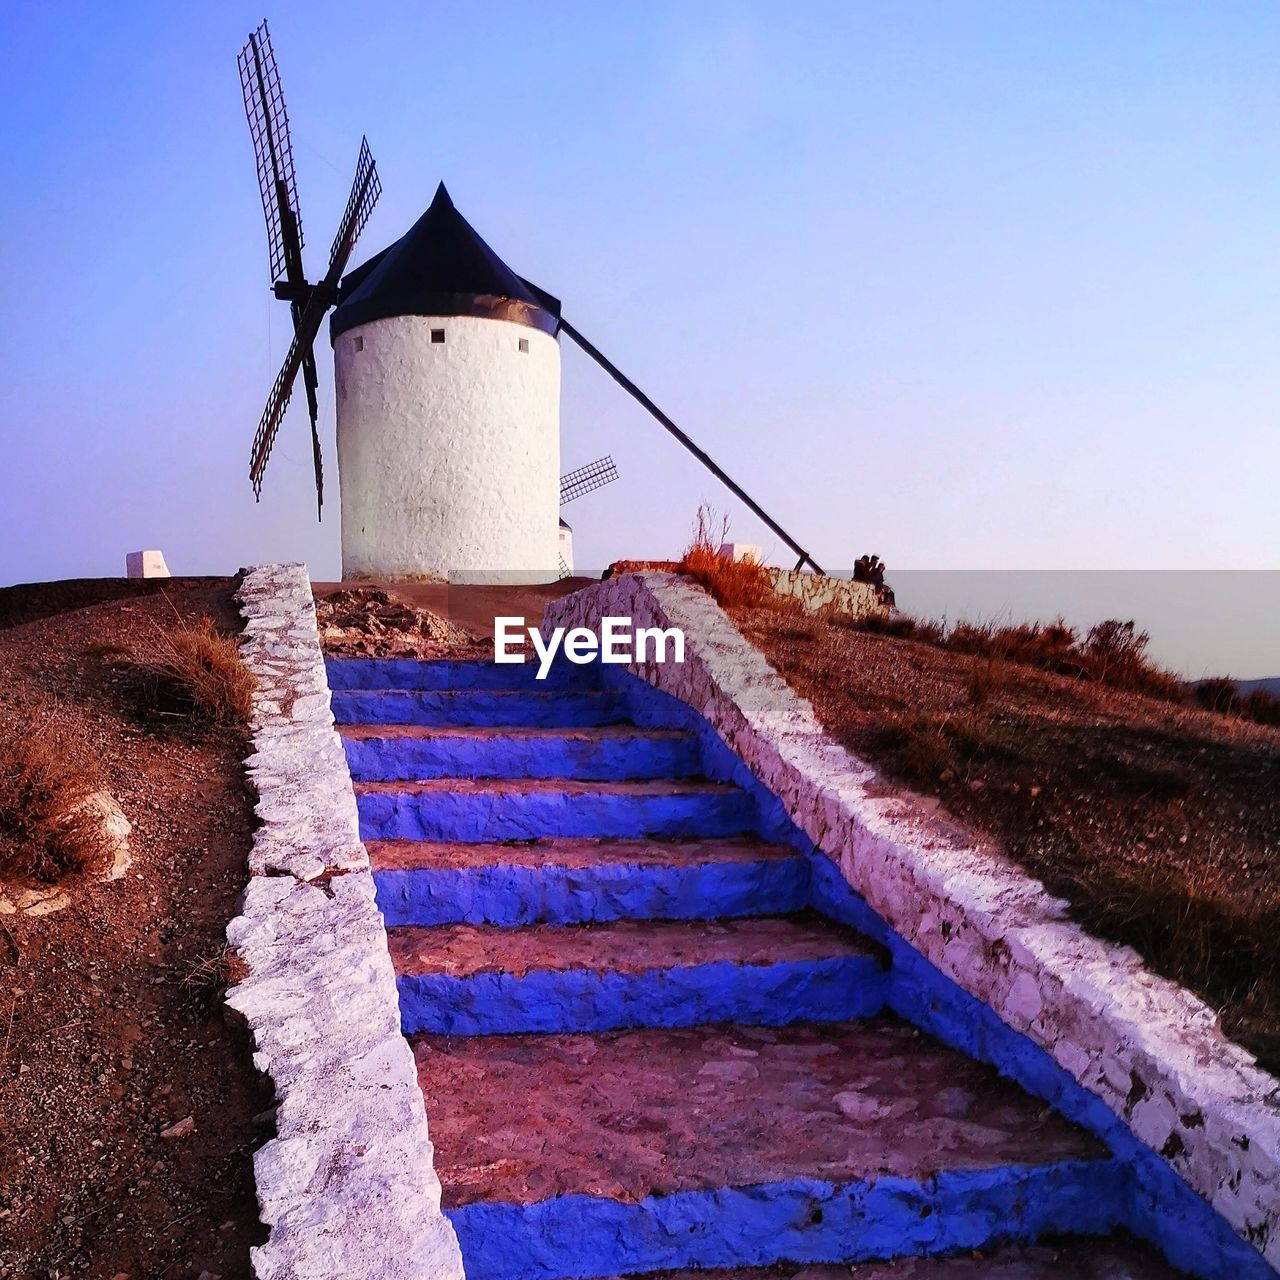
(732,583)
(215,974)
(930,748)
(1113,652)
(1192,923)
(46,830)
(195,675)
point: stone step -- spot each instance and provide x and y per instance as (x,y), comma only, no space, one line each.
(347,674)
(608,753)
(534,809)
(582,881)
(1111,1258)
(723,1146)
(474,980)
(467,708)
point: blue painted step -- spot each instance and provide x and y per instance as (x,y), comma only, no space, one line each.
(469,708)
(623,1152)
(456,675)
(535,809)
(467,981)
(611,753)
(580,881)
(797,1220)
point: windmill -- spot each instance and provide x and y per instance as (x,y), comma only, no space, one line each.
(595,475)
(308,303)
(447,371)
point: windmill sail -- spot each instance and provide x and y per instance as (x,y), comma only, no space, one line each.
(365,190)
(273,152)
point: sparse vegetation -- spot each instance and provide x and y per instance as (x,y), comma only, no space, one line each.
(215,974)
(1191,923)
(1221,695)
(900,626)
(46,829)
(1086,764)
(1261,707)
(930,748)
(195,675)
(742,583)
(1113,652)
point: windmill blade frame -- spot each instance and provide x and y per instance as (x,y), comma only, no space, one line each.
(365,190)
(268,119)
(586,479)
(366,187)
(278,401)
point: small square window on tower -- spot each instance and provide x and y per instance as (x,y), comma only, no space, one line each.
(437,335)
(358,344)
(524,344)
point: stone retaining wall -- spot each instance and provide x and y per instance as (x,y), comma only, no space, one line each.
(347,1187)
(1149,1049)
(821,592)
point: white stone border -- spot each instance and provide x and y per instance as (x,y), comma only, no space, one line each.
(348,1186)
(1148,1048)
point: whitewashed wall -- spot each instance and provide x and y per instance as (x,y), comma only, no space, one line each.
(449,452)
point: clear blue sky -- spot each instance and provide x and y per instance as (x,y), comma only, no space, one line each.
(972,285)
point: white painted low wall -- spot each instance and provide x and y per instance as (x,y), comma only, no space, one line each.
(348,1186)
(1149,1049)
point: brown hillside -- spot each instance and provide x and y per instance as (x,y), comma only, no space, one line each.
(1157,821)
(110,1023)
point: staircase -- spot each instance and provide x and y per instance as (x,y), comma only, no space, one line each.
(640,1049)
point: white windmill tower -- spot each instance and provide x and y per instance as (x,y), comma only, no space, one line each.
(447,365)
(448,406)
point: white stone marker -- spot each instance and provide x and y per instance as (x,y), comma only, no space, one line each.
(146,564)
(741,551)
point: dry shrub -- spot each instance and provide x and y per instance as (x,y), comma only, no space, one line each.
(1218,694)
(1221,695)
(214,975)
(732,583)
(46,829)
(1113,653)
(196,675)
(900,626)
(1261,706)
(985,678)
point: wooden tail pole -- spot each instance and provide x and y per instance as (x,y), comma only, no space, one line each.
(736,489)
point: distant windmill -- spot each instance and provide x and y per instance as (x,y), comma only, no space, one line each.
(308,303)
(447,370)
(595,475)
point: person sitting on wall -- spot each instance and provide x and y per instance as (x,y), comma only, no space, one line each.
(869,569)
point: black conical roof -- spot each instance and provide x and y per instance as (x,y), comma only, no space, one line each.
(440,267)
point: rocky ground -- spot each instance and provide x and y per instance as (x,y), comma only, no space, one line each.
(129,1109)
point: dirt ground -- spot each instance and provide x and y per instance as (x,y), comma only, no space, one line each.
(1158,822)
(472,608)
(103,1042)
